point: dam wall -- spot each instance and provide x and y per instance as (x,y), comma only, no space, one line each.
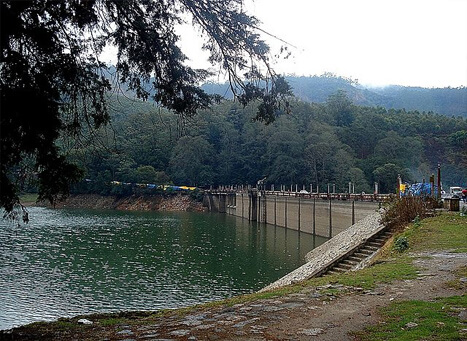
(315,215)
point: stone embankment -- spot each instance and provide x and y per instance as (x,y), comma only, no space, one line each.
(328,253)
(133,203)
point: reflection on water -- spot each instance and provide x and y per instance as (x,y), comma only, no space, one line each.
(70,262)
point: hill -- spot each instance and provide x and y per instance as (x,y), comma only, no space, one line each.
(317,89)
(336,142)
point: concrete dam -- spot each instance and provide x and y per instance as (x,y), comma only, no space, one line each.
(323,215)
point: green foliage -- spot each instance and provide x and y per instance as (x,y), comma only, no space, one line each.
(52,82)
(197,195)
(401,244)
(146,174)
(387,175)
(119,191)
(225,146)
(416,221)
(340,108)
(192,160)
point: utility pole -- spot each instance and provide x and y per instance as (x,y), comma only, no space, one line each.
(432,185)
(399,183)
(439,181)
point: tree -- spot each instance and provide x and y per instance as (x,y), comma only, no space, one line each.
(357,177)
(405,151)
(340,107)
(191,162)
(386,176)
(343,163)
(52,81)
(284,154)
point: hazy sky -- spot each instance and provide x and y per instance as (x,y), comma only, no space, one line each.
(405,42)
(378,42)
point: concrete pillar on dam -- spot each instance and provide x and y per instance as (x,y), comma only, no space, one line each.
(222,203)
(253,205)
(215,202)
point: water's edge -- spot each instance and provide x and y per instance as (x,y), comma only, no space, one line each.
(157,202)
(70,262)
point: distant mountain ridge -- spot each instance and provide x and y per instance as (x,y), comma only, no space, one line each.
(317,89)
(445,101)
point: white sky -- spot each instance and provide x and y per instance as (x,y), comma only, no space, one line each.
(378,42)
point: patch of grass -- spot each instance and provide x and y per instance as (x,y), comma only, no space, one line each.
(456,283)
(112,321)
(64,325)
(443,232)
(383,272)
(122,318)
(28,198)
(430,321)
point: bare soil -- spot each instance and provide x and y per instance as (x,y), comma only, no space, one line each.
(177,202)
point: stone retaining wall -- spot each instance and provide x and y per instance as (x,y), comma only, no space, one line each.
(326,254)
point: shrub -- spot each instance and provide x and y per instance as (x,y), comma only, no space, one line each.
(416,221)
(401,244)
(402,212)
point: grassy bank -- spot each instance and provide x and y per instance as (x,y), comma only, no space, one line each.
(418,320)
(444,232)
(427,320)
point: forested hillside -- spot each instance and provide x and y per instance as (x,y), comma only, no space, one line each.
(445,101)
(334,142)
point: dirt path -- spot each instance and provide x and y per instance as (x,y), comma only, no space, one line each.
(320,313)
(334,320)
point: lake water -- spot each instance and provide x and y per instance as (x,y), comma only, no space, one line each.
(70,262)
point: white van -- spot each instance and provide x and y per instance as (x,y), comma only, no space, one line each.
(455,192)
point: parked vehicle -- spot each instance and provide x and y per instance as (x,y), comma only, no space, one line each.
(455,192)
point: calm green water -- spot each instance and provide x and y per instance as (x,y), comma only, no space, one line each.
(70,262)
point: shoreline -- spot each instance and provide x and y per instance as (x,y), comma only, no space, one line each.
(157,202)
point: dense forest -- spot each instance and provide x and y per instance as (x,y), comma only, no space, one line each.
(333,142)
